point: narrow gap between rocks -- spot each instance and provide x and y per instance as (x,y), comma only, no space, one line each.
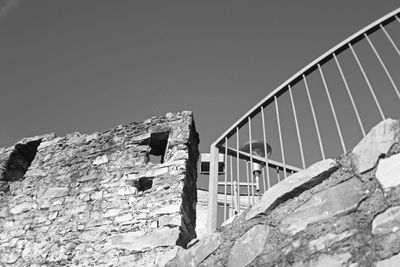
(158,146)
(20,160)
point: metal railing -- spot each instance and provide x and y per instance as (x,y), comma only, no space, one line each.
(305,120)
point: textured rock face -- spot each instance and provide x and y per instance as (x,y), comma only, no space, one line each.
(376,143)
(97,200)
(328,215)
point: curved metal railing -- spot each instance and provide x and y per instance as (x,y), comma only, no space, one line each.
(317,122)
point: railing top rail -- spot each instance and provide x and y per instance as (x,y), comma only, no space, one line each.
(342,46)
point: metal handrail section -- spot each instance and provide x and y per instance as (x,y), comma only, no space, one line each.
(240,166)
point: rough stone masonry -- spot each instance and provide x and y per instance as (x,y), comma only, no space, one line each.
(98,199)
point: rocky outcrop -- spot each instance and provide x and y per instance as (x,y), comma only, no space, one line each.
(343,212)
(100,199)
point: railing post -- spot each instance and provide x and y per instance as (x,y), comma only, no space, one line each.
(213,190)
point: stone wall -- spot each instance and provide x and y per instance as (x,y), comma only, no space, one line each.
(342,212)
(98,200)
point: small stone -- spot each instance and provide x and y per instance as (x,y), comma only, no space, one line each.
(248,246)
(23,208)
(127,190)
(111,213)
(388,172)
(87,178)
(54,192)
(96,195)
(123,218)
(100,160)
(169,209)
(169,220)
(391,262)
(339,199)
(387,222)
(13,257)
(137,241)
(48,143)
(53,215)
(376,143)
(294,184)
(164,258)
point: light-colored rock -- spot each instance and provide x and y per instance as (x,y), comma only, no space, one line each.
(377,142)
(135,241)
(248,246)
(294,183)
(45,144)
(24,207)
(330,238)
(54,192)
(100,160)
(333,201)
(169,220)
(168,209)
(199,252)
(387,222)
(111,213)
(231,219)
(391,262)
(388,172)
(336,260)
(124,218)
(163,259)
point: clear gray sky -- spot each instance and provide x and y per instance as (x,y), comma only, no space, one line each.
(85,66)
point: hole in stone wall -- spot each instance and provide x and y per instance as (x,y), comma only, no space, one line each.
(143,183)
(158,145)
(20,160)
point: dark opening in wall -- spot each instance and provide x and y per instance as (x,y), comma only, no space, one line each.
(158,145)
(144,183)
(20,160)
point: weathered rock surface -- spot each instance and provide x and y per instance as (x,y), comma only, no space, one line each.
(197,253)
(73,201)
(391,262)
(376,143)
(248,246)
(333,201)
(387,222)
(292,185)
(388,171)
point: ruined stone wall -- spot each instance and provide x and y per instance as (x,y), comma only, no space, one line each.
(338,212)
(97,200)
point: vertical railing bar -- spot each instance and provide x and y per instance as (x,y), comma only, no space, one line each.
(265,148)
(314,117)
(237,164)
(383,65)
(280,135)
(226,178)
(213,190)
(232,186)
(390,39)
(332,108)
(251,159)
(248,181)
(367,81)
(263,173)
(349,93)
(297,127)
(277,174)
